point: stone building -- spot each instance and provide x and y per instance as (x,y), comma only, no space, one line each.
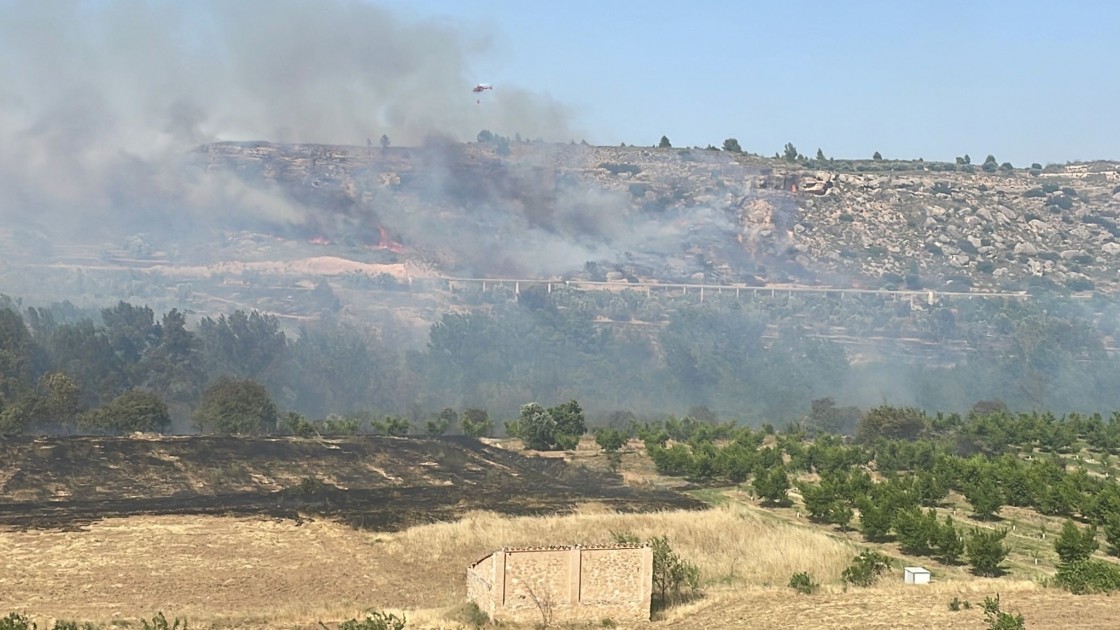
(556,584)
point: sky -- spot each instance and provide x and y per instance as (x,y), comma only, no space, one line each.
(1026,81)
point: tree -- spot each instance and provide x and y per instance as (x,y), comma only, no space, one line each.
(58,399)
(391,425)
(731,145)
(236,407)
(772,485)
(135,410)
(916,531)
(984,496)
(820,154)
(990,164)
(878,156)
(874,520)
(476,423)
(570,424)
(948,542)
(986,551)
(672,575)
(790,152)
(893,423)
(385,141)
(665,144)
(1073,544)
(610,439)
(557,428)
(1112,532)
(438,426)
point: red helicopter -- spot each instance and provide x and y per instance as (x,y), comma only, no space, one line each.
(481,87)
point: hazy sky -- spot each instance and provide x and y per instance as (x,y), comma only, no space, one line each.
(1026,81)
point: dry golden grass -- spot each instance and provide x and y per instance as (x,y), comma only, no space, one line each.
(730,543)
(253,573)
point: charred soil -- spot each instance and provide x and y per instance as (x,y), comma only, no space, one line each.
(377,483)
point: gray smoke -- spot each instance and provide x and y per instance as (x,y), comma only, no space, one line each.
(100,102)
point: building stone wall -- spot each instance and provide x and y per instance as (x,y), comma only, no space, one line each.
(564,583)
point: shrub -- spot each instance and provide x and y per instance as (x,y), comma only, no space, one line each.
(375,621)
(159,622)
(16,621)
(866,568)
(472,615)
(476,423)
(1088,576)
(957,603)
(803,583)
(998,619)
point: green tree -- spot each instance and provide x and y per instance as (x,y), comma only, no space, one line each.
(772,485)
(820,154)
(1112,532)
(58,401)
(476,423)
(874,520)
(790,152)
(609,439)
(570,424)
(672,575)
(990,164)
(134,410)
(236,407)
(441,423)
(986,551)
(391,425)
(893,423)
(948,542)
(665,144)
(984,496)
(385,142)
(1073,544)
(916,531)
(877,157)
(731,145)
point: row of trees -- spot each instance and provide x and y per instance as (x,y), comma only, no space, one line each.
(750,359)
(921,459)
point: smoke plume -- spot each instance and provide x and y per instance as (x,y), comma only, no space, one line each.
(100,102)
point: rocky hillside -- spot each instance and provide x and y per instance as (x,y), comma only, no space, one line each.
(501,209)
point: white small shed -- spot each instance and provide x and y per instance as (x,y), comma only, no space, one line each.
(916,575)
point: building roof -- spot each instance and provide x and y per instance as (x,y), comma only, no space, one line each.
(560,548)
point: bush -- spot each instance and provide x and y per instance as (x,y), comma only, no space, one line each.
(159,622)
(375,621)
(471,615)
(999,620)
(866,568)
(16,621)
(1088,576)
(803,583)
(957,603)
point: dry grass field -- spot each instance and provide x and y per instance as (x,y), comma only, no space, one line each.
(253,569)
(235,572)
